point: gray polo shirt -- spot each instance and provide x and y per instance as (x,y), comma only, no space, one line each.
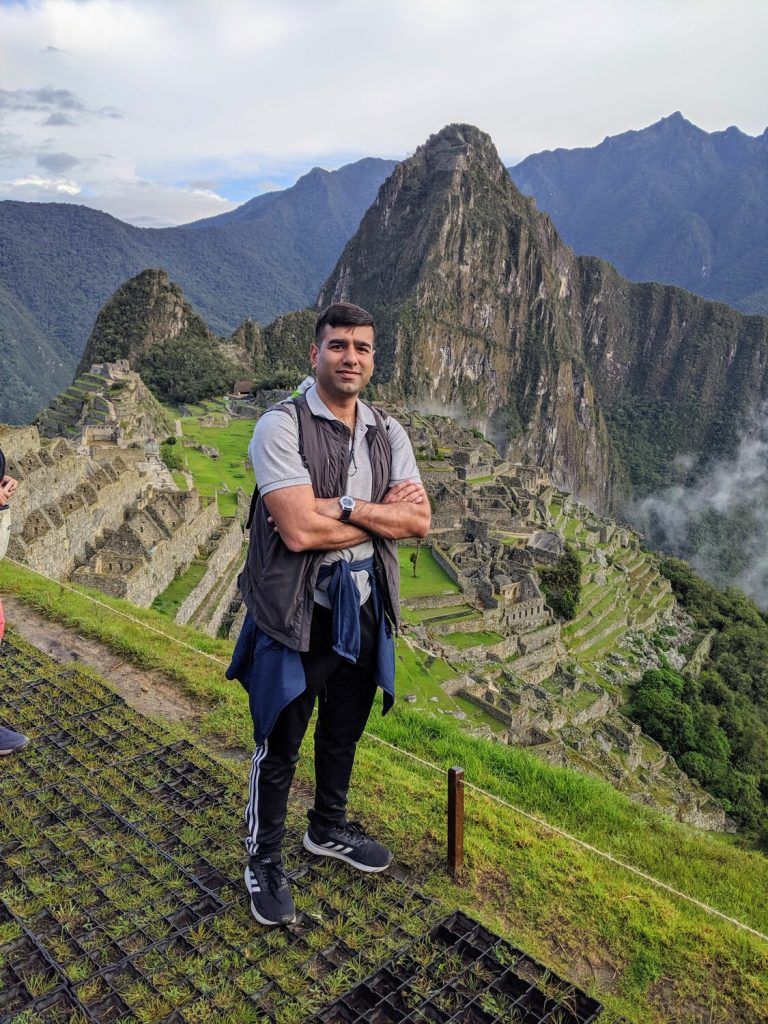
(274,452)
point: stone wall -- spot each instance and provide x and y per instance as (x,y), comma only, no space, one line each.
(228,547)
(700,655)
(66,504)
(16,442)
(433,601)
(125,568)
(539,638)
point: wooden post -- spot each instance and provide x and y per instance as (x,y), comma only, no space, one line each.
(455,821)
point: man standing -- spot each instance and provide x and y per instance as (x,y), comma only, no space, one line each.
(338,485)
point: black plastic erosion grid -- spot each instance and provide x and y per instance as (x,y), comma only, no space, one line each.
(121,897)
(465,974)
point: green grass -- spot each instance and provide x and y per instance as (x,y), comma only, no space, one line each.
(171,599)
(427,615)
(230,468)
(179,479)
(586,918)
(475,639)
(422,674)
(430,580)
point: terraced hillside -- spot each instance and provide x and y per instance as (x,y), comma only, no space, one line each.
(475,601)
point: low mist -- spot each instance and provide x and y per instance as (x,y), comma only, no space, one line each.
(717,519)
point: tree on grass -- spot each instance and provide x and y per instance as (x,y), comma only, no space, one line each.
(561,584)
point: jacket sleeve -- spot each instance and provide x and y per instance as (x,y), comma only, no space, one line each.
(5,529)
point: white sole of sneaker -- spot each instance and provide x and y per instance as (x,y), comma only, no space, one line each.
(14,750)
(254,911)
(321,851)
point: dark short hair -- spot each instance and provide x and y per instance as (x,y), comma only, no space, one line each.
(343,314)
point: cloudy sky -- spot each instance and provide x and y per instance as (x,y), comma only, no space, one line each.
(163,111)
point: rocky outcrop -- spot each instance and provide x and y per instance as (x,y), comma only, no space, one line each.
(247,343)
(148,323)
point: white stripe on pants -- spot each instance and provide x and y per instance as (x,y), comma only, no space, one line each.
(252,806)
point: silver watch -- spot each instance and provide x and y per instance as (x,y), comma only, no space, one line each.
(347,507)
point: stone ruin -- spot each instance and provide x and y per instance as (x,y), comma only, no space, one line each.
(493,530)
(115,522)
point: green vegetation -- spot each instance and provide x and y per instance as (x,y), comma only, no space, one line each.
(588,919)
(171,454)
(187,368)
(430,580)
(232,469)
(719,721)
(472,639)
(171,599)
(561,584)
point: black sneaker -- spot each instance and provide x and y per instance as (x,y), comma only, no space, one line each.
(348,843)
(271,901)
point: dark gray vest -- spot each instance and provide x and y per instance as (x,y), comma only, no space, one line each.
(278,585)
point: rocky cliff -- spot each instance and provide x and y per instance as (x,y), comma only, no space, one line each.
(482,307)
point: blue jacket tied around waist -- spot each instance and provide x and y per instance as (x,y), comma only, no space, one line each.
(273,674)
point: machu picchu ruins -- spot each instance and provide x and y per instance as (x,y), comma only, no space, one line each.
(98,507)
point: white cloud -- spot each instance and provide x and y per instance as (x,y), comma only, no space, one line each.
(34,182)
(153,204)
(215,91)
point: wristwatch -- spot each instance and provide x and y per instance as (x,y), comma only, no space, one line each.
(347,507)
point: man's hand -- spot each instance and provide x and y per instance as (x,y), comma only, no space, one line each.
(293,514)
(329,507)
(8,487)
(405,491)
(403,512)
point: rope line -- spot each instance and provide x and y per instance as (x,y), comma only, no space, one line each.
(541,822)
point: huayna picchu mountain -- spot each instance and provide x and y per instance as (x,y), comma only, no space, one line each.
(482,306)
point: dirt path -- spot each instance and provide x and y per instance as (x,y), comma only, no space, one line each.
(145,690)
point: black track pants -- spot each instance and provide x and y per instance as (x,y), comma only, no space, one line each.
(344,693)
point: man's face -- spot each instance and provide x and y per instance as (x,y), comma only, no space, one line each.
(343,361)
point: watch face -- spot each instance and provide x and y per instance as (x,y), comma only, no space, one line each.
(347,503)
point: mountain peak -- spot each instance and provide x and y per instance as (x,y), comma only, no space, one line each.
(451,187)
(456,143)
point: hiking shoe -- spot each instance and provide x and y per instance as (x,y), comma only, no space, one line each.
(11,741)
(348,843)
(271,901)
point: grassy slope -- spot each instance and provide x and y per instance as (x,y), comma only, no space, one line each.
(179,589)
(620,937)
(429,580)
(232,443)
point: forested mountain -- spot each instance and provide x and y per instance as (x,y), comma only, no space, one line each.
(482,307)
(59,263)
(669,203)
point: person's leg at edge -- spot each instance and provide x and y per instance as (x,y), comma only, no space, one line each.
(343,709)
(10,740)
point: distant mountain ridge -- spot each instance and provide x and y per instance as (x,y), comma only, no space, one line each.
(59,263)
(669,203)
